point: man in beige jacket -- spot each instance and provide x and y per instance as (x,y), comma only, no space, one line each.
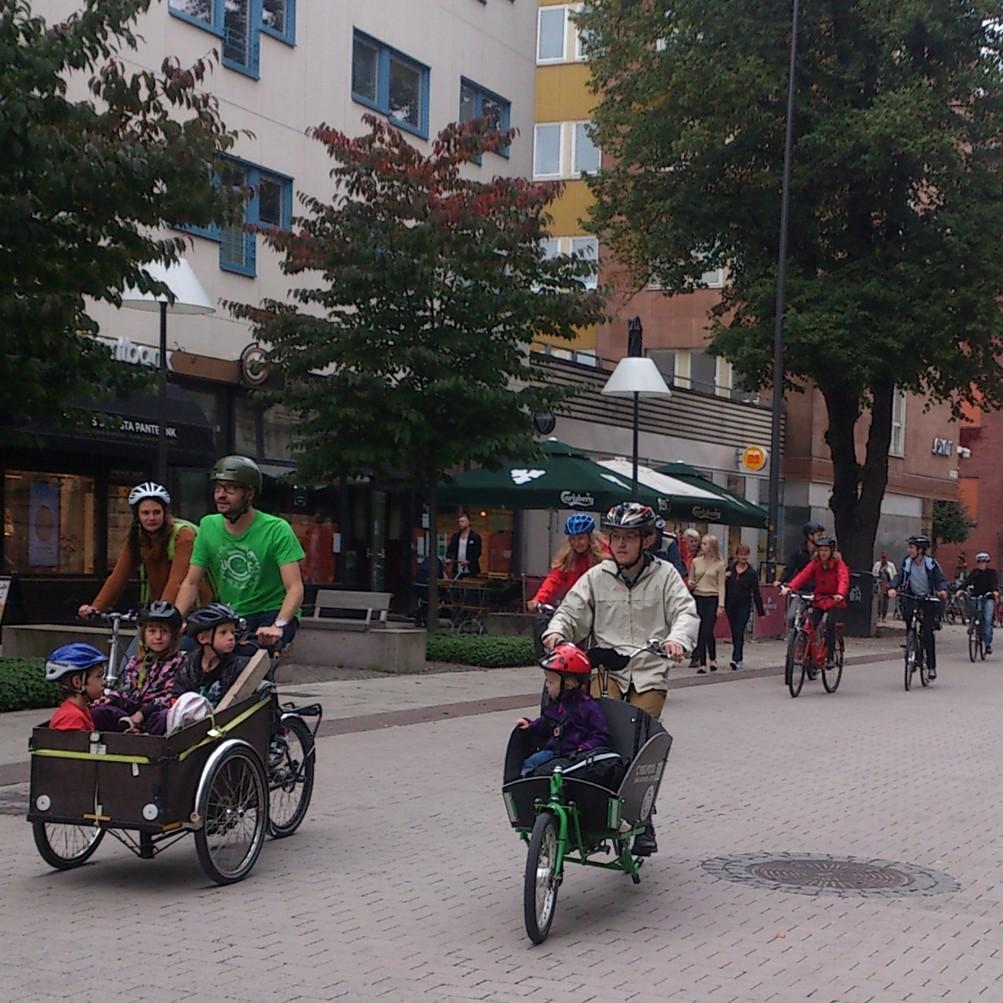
(624,602)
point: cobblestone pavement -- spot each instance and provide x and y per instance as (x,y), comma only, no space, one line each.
(405,882)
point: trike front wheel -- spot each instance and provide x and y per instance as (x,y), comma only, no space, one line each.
(291,762)
(66,846)
(542,878)
(234,812)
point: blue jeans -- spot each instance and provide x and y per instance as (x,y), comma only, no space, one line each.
(535,760)
(988,609)
(266,619)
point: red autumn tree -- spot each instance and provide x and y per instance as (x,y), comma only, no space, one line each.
(420,289)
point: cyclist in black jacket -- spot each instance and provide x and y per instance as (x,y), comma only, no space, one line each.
(797,560)
(984,584)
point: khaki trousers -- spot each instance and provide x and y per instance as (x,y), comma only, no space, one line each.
(650,701)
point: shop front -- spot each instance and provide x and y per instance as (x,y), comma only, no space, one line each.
(64,496)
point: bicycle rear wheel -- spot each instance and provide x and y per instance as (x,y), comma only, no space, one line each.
(794,668)
(923,662)
(973,642)
(831,676)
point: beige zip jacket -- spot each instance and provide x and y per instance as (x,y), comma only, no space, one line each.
(600,609)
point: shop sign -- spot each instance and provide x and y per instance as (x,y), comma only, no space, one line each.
(253,365)
(146,428)
(942,447)
(125,350)
(753,459)
(704,514)
(578,499)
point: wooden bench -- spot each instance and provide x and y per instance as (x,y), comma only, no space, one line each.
(333,599)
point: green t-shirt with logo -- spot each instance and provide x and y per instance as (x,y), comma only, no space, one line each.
(245,569)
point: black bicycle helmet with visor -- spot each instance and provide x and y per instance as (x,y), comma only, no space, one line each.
(920,540)
(209,618)
(630,515)
(811,527)
(160,611)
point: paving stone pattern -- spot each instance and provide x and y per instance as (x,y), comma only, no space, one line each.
(405,883)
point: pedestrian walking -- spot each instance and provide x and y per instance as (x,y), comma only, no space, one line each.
(707,581)
(884,572)
(741,591)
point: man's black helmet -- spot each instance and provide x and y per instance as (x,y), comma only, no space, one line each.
(812,527)
(826,541)
(209,617)
(160,611)
(920,540)
(241,470)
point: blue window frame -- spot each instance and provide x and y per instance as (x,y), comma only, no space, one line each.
(391,83)
(270,205)
(239,24)
(478,102)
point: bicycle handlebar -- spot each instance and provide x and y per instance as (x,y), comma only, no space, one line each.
(111,617)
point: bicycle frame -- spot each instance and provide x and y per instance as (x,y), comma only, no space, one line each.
(571,843)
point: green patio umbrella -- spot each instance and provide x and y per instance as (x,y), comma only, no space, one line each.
(731,510)
(563,478)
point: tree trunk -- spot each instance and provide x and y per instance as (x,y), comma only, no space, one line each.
(858,490)
(433,563)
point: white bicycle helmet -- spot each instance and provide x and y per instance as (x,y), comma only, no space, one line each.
(149,489)
(982,556)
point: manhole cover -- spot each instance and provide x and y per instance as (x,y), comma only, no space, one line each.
(822,874)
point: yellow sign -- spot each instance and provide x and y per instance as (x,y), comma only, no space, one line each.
(753,458)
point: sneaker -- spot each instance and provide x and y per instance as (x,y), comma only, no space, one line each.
(812,672)
(713,668)
(701,671)
(733,666)
(933,673)
(989,649)
(737,666)
(645,843)
(693,663)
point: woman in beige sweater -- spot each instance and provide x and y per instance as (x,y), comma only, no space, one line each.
(707,577)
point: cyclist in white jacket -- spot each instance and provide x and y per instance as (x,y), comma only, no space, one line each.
(623,602)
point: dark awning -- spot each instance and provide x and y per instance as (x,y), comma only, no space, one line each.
(731,510)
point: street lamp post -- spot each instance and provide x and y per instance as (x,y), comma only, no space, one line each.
(778,320)
(635,376)
(186,297)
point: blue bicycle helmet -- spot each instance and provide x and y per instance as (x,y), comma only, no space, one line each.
(70,659)
(578,524)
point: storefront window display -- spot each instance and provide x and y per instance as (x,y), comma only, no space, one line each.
(49,523)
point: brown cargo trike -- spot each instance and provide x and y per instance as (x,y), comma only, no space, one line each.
(227,779)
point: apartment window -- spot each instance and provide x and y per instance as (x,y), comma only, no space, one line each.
(897,445)
(391,83)
(238,23)
(557,37)
(586,248)
(547,150)
(550,34)
(665,360)
(585,154)
(563,150)
(479,102)
(703,370)
(270,204)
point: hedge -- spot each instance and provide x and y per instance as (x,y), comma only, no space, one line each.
(23,685)
(483,650)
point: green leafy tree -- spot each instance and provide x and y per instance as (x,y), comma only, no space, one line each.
(422,288)
(895,268)
(97,160)
(950,522)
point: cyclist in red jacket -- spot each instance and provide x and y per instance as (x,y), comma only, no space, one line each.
(832,585)
(583,548)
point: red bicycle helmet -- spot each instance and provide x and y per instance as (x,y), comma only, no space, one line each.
(567,659)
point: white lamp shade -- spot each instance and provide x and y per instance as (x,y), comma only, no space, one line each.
(635,375)
(189,296)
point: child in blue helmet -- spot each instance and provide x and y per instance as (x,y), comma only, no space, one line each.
(78,670)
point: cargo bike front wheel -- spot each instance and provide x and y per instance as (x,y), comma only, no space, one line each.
(232,806)
(542,878)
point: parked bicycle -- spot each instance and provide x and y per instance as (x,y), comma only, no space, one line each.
(956,607)
(916,657)
(806,648)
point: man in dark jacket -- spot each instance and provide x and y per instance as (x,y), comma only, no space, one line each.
(810,532)
(664,545)
(984,586)
(921,577)
(463,555)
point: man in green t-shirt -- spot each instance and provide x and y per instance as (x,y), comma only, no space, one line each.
(251,558)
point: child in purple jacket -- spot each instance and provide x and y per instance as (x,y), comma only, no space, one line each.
(572,721)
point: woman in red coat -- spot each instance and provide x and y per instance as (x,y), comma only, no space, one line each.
(583,548)
(831,576)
